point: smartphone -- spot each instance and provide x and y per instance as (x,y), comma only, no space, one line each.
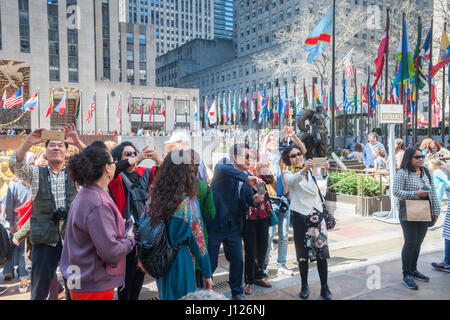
(129,224)
(150,143)
(426,188)
(53,135)
(261,190)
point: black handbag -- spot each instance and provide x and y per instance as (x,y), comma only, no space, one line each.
(330,221)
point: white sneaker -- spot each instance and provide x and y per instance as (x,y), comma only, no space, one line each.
(286,271)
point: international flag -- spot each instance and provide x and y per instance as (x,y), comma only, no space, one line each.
(212,114)
(245,106)
(305,97)
(175,112)
(151,112)
(444,54)
(163,111)
(229,108)
(365,98)
(316,96)
(141,110)
(219,110)
(320,36)
(206,112)
(119,112)
(406,62)
(50,106)
(195,112)
(372,101)
(252,103)
(286,102)
(185,107)
(382,49)
(91,110)
(129,109)
(77,108)
(345,101)
(2,103)
(61,107)
(31,103)
(280,109)
(425,50)
(234,107)
(349,65)
(224,104)
(15,100)
(263,106)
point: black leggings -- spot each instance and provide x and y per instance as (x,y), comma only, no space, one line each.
(413,233)
(256,239)
(134,279)
(300,229)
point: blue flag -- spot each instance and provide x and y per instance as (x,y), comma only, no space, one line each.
(320,36)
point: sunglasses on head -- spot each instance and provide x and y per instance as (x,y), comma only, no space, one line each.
(129,153)
(293,156)
(419,157)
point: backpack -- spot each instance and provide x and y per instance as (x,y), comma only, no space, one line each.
(138,195)
(5,246)
(154,249)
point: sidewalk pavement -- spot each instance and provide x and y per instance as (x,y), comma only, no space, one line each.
(357,245)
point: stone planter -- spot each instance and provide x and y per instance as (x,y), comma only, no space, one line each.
(364,206)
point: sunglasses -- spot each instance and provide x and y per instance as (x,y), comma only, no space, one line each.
(419,157)
(293,156)
(129,153)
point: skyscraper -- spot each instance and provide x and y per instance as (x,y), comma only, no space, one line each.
(223,19)
(176,21)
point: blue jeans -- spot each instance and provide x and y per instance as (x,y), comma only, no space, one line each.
(447,252)
(18,259)
(283,231)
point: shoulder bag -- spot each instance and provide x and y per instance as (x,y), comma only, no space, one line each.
(330,221)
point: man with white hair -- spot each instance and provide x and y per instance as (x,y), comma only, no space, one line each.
(180,140)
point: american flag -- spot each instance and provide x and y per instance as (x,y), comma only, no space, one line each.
(91,110)
(14,100)
(349,67)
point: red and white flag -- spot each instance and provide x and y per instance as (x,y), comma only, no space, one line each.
(91,110)
(349,66)
(212,114)
(119,112)
(151,111)
(15,100)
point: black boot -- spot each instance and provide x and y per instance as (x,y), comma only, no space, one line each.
(304,294)
(325,293)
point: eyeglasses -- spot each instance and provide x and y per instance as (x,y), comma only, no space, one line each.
(129,153)
(419,157)
(111,162)
(293,156)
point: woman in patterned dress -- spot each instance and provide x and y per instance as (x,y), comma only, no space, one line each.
(173,197)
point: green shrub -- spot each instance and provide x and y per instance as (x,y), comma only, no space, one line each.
(371,186)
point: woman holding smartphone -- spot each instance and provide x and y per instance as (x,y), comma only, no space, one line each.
(414,182)
(310,233)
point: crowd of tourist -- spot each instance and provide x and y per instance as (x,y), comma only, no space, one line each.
(80,208)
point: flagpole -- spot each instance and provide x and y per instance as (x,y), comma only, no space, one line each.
(333,76)
(345,113)
(81,110)
(386,65)
(39,109)
(430,115)
(404,61)
(443,100)
(120,113)
(95,114)
(369,100)
(416,106)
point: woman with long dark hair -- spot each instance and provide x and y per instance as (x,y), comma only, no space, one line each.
(95,245)
(310,233)
(414,182)
(173,198)
(133,177)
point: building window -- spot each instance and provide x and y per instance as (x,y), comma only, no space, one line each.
(72,42)
(53,39)
(106,41)
(24,26)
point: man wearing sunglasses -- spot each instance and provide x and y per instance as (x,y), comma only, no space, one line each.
(232,190)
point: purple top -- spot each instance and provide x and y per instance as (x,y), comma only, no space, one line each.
(95,246)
